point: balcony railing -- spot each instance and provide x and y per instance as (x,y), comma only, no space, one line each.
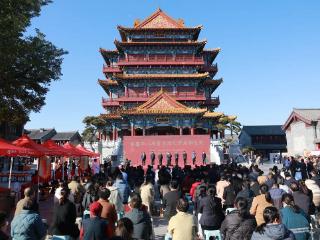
(111,69)
(160,59)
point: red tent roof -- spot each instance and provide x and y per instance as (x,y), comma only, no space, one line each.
(74,151)
(27,142)
(91,154)
(61,151)
(9,150)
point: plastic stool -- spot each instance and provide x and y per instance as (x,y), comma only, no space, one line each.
(212,235)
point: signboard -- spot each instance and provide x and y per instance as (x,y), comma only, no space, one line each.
(162,120)
(134,146)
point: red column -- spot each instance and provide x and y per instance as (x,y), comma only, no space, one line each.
(181,131)
(192,130)
(209,132)
(110,95)
(126,91)
(144,131)
(132,130)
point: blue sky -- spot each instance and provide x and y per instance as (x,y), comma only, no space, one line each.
(269,59)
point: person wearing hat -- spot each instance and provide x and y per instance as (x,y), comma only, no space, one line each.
(94,227)
(3,226)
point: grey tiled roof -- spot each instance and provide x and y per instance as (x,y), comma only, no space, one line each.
(41,134)
(263,130)
(61,136)
(312,114)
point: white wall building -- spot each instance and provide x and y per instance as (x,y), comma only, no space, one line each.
(303,131)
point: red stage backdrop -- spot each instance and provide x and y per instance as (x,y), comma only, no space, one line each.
(134,146)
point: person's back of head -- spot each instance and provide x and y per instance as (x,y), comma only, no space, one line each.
(270,215)
(174,184)
(104,193)
(135,201)
(29,192)
(182,205)
(294,187)
(124,229)
(64,194)
(212,191)
(288,200)
(241,204)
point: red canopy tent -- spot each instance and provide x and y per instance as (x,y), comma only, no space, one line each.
(9,150)
(25,141)
(91,154)
(61,151)
(74,151)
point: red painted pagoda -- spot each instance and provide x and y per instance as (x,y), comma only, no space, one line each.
(159,83)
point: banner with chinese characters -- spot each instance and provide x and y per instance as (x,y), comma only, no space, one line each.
(134,146)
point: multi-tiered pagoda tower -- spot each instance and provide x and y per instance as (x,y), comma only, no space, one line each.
(159,81)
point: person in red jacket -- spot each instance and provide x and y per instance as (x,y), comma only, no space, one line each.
(194,188)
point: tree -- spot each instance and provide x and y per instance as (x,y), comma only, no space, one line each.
(28,64)
(230,124)
(92,126)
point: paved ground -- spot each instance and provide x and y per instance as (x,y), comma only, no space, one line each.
(160,224)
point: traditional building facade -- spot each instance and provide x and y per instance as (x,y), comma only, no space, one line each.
(160,81)
(303,131)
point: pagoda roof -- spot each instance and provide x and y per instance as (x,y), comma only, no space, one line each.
(159,19)
(213,82)
(106,54)
(162,103)
(121,45)
(161,76)
(211,53)
(106,84)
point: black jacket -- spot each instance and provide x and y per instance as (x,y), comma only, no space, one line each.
(229,195)
(141,223)
(302,201)
(235,227)
(212,214)
(94,228)
(64,218)
(170,203)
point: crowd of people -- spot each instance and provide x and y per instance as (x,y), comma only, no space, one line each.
(219,201)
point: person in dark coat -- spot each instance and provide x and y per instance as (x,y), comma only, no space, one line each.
(238,224)
(254,186)
(160,157)
(152,158)
(28,223)
(142,226)
(94,227)
(301,200)
(170,200)
(143,158)
(176,158)
(246,193)
(194,157)
(169,157)
(3,226)
(64,217)
(272,228)
(211,209)
(184,157)
(204,157)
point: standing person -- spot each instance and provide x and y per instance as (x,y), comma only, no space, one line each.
(160,157)
(272,228)
(258,159)
(221,185)
(152,158)
(182,226)
(147,193)
(108,211)
(211,208)
(184,157)
(170,200)
(123,188)
(95,167)
(169,156)
(29,194)
(194,157)
(94,227)
(260,202)
(204,157)
(176,158)
(238,224)
(28,223)
(246,192)
(142,225)
(294,219)
(115,198)
(143,158)
(64,217)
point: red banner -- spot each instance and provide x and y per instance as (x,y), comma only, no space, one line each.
(44,168)
(134,146)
